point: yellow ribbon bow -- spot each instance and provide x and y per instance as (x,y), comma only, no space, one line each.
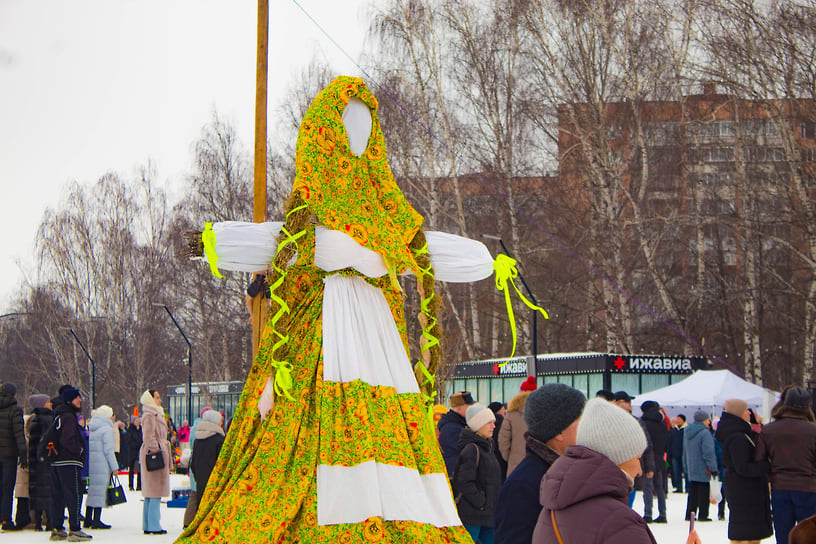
(505,268)
(208,240)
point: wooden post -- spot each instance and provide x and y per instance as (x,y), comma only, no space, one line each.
(259,303)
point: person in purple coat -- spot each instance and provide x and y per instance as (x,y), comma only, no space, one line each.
(592,481)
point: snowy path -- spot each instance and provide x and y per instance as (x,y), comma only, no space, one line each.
(126,520)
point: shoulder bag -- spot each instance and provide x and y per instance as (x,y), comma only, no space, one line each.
(154,461)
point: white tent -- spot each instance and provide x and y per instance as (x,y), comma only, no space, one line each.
(708,390)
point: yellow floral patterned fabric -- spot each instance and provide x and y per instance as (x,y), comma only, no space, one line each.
(355,195)
(263,488)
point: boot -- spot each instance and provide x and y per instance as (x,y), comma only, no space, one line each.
(97,521)
(38,515)
(88,519)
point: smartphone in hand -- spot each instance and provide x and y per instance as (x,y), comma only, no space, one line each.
(691,522)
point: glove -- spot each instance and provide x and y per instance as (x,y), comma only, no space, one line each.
(23,463)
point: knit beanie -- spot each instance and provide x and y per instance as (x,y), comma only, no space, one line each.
(649,405)
(38,401)
(69,395)
(700,416)
(201,413)
(552,408)
(611,431)
(797,398)
(104,411)
(212,416)
(8,389)
(478,415)
(461,398)
(529,384)
(735,407)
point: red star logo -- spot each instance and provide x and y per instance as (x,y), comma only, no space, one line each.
(619,363)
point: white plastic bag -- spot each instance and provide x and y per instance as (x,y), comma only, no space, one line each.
(715,494)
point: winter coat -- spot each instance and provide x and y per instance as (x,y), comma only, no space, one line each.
(22,480)
(207,444)
(102,461)
(496,450)
(71,448)
(193,485)
(789,443)
(590,497)
(746,481)
(511,436)
(658,434)
(133,441)
(12,430)
(155,483)
(39,473)
(184,433)
(518,505)
(675,447)
(476,482)
(450,427)
(699,457)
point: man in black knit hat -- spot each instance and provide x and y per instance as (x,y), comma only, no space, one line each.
(552,413)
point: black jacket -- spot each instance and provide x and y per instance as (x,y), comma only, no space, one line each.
(205,454)
(518,505)
(476,480)
(133,439)
(675,447)
(656,429)
(12,429)
(450,427)
(746,482)
(39,484)
(71,449)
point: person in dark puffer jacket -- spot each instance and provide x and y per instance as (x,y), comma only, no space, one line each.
(552,413)
(746,482)
(12,450)
(39,483)
(658,434)
(450,427)
(477,476)
(209,437)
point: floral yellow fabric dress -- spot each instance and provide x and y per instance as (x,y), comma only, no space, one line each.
(354,457)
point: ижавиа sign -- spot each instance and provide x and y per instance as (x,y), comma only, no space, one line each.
(512,367)
(665,364)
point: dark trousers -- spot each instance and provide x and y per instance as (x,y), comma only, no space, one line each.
(699,494)
(677,474)
(66,491)
(23,515)
(789,508)
(8,475)
(133,468)
(653,487)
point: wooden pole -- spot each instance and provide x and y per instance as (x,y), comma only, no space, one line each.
(259,305)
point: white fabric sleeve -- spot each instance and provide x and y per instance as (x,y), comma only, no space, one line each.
(245,247)
(455,259)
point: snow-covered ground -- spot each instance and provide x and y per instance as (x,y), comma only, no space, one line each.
(126,520)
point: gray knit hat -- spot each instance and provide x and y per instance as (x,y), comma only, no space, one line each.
(797,397)
(38,401)
(478,415)
(700,416)
(611,431)
(552,408)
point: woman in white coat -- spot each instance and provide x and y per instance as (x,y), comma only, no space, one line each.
(103,464)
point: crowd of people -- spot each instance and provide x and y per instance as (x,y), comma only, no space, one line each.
(51,460)
(537,469)
(532,471)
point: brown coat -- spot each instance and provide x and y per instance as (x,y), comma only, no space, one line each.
(155,483)
(511,435)
(21,485)
(789,443)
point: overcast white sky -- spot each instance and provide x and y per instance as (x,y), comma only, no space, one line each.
(88,87)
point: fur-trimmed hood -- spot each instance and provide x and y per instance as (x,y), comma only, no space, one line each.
(517,403)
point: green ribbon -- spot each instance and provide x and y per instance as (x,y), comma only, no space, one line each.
(283,369)
(505,268)
(208,241)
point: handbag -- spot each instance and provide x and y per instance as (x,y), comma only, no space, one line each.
(115,493)
(154,461)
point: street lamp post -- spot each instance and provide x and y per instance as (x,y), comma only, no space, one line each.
(526,288)
(189,362)
(93,365)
